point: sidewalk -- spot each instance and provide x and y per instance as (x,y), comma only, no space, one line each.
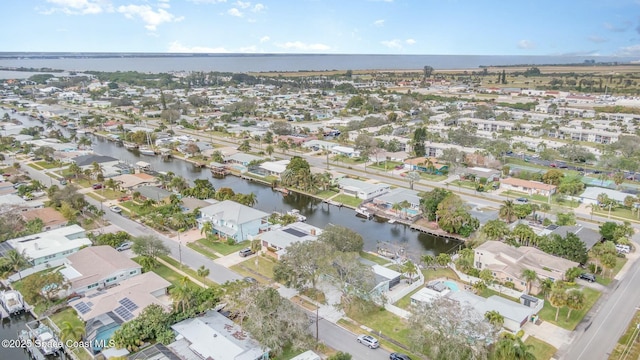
(196,281)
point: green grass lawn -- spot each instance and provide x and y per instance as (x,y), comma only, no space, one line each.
(485,293)
(48,165)
(390,165)
(375,258)
(620,351)
(166,273)
(326,194)
(429,275)
(70,315)
(606,280)
(186,269)
(619,212)
(347,200)
(35,166)
(548,312)
(223,248)
(248,268)
(541,349)
(202,249)
(433,177)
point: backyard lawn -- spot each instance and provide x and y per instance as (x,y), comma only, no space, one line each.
(541,349)
(347,200)
(440,273)
(548,312)
(264,268)
(70,315)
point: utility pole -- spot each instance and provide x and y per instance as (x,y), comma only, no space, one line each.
(180,248)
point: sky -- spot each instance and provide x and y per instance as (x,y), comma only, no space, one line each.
(419,27)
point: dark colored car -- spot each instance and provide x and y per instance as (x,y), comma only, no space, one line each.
(588,277)
(96,186)
(399,356)
(250,280)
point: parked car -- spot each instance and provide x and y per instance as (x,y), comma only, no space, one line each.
(250,280)
(96,186)
(125,246)
(245,252)
(588,277)
(369,341)
(522,200)
(625,249)
(116,209)
(399,356)
(63,182)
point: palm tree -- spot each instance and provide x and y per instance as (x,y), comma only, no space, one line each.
(558,299)
(576,300)
(96,169)
(405,206)
(546,285)
(181,295)
(494,318)
(16,261)
(269,149)
(203,272)
(511,347)
(495,229)
(529,276)
(443,259)
(178,183)
(396,207)
(84,142)
(251,199)
(507,211)
(413,177)
(428,260)
(410,269)
(207,229)
(523,233)
(71,331)
(75,169)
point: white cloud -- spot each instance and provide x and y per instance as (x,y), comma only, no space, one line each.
(378,23)
(235,12)
(207,1)
(164,4)
(243,5)
(258,7)
(526,44)
(78,7)
(596,39)
(392,44)
(623,26)
(632,50)
(298,45)
(150,17)
(264,39)
(176,47)
(410,41)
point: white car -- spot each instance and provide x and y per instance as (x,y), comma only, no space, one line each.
(623,248)
(369,341)
(125,246)
(116,209)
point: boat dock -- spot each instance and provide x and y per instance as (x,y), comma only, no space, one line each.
(438,233)
(331,202)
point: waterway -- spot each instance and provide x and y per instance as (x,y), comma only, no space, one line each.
(9,330)
(376,232)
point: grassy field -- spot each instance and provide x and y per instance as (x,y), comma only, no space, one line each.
(374,258)
(326,194)
(347,200)
(201,247)
(548,312)
(541,349)
(385,165)
(628,346)
(263,270)
(226,249)
(606,280)
(47,165)
(186,269)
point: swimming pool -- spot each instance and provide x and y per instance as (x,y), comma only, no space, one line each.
(451,285)
(412,212)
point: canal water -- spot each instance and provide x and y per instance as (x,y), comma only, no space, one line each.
(376,232)
(9,330)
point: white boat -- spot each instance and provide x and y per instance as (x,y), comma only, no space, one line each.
(363,212)
(40,340)
(146,151)
(129,146)
(12,302)
(391,221)
(296,213)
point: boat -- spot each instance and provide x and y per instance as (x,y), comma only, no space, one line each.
(391,221)
(129,145)
(146,151)
(40,340)
(12,302)
(363,212)
(296,213)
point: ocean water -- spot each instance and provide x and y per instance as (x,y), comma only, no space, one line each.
(156,63)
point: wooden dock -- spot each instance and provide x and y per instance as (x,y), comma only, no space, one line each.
(438,233)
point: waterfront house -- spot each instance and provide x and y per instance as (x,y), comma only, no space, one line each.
(51,245)
(507,263)
(230,219)
(515,315)
(154,193)
(273,168)
(130,182)
(213,336)
(361,189)
(277,240)
(386,201)
(98,267)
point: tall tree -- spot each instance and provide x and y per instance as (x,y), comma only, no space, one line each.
(341,238)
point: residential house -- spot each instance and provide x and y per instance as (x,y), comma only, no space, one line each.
(51,245)
(385,279)
(104,311)
(272,168)
(528,186)
(154,193)
(233,220)
(588,236)
(345,151)
(213,336)
(430,292)
(591,193)
(316,145)
(386,202)
(51,218)
(361,189)
(481,172)
(507,263)
(98,267)
(277,240)
(130,182)
(242,159)
(515,315)
(426,165)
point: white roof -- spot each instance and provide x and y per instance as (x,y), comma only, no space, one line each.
(593,192)
(385,272)
(507,308)
(426,295)
(275,166)
(287,235)
(233,212)
(51,242)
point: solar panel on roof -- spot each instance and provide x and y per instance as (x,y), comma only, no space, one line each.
(295,232)
(125,314)
(95,294)
(89,304)
(128,304)
(82,307)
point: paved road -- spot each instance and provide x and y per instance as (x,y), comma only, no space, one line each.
(342,340)
(597,335)
(194,259)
